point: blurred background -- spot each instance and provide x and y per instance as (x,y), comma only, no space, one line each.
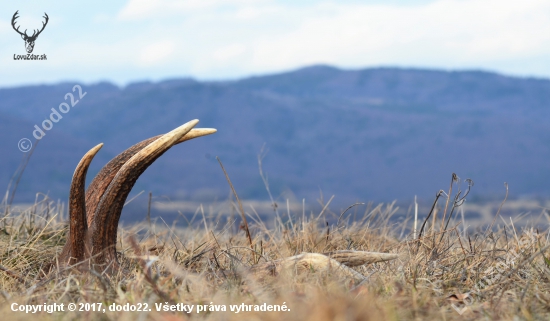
(369,101)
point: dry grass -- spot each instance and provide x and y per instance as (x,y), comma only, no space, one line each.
(502,274)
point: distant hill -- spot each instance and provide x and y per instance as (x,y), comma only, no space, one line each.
(373,134)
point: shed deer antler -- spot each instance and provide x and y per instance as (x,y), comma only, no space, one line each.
(94,214)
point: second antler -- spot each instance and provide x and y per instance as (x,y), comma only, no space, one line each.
(94,214)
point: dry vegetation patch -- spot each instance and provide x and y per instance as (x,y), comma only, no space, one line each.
(317,273)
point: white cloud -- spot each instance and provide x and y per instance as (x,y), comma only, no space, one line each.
(251,13)
(229,52)
(217,39)
(447,31)
(4,26)
(156,53)
(143,9)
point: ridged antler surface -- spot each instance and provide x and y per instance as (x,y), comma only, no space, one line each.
(94,214)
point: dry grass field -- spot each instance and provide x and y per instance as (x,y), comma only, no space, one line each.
(500,273)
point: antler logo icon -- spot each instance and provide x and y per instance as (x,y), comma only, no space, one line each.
(29,40)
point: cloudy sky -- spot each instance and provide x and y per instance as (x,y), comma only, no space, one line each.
(133,40)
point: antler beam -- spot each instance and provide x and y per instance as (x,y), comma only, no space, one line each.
(94,215)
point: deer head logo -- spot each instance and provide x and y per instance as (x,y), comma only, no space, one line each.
(29,40)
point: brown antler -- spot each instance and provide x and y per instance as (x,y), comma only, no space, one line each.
(105,176)
(78,228)
(94,216)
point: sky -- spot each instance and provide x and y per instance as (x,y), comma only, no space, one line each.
(136,40)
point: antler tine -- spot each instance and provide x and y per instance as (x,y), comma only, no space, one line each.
(15,16)
(74,249)
(107,213)
(43,24)
(99,184)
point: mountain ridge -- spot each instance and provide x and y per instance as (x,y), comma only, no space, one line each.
(369,134)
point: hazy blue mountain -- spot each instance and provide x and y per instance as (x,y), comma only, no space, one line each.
(372,134)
